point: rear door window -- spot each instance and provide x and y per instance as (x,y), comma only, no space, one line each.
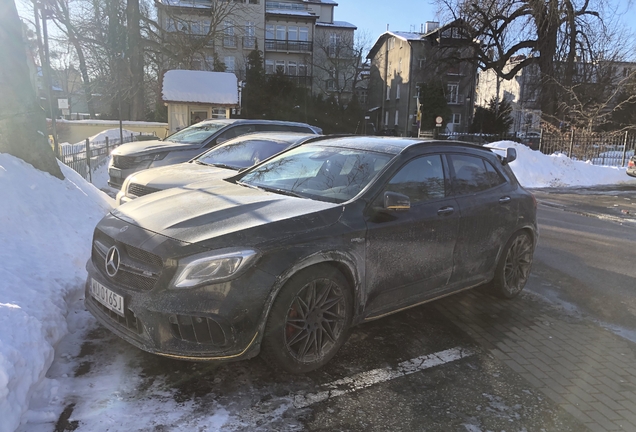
(473,174)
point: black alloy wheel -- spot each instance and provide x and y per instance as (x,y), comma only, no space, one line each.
(309,320)
(514,266)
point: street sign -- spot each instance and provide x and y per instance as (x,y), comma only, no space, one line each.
(438,121)
(62,104)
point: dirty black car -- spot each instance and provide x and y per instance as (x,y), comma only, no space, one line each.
(284,258)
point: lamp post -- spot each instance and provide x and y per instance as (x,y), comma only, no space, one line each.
(46,70)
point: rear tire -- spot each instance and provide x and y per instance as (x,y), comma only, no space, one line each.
(513,268)
(309,320)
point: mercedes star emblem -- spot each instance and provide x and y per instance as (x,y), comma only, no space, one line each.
(112,261)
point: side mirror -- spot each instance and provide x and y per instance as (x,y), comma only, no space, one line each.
(396,201)
(511,155)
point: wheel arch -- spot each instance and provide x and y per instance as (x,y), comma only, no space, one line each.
(528,229)
(341,261)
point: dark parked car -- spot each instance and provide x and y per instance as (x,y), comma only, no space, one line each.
(188,143)
(220,162)
(286,257)
(631,167)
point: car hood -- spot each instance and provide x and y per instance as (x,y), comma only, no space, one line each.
(207,213)
(139,148)
(179,175)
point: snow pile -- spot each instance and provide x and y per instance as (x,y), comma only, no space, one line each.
(45,231)
(534,169)
(98,140)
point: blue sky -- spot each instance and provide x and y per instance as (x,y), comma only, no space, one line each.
(372,16)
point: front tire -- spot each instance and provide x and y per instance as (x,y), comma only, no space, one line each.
(309,320)
(514,266)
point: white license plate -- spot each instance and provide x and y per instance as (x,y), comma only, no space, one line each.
(112,301)
(114,173)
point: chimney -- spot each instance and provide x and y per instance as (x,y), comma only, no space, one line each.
(431,25)
(422,28)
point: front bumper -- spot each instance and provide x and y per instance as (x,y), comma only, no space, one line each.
(221,322)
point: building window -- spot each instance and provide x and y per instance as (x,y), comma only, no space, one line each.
(303,34)
(206,27)
(195,27)
(452,92)
(292,33)
(209,63)
(391,43)
(397,91)
(302,70)
(397,117)
(386,118)
(331,85)
(280,66)
(269,67)
(269,31)
(229,64)
(334,44)
(229,41)
(171,25)
(250,31)
(281,33)
(291,68)
(388,92)
(457,118)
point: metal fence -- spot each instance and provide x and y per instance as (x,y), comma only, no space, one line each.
(600,148)
(86,157)
(608,148)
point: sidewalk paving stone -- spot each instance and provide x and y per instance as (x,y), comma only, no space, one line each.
(583,368)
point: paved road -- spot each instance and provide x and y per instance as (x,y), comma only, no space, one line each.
(469,362)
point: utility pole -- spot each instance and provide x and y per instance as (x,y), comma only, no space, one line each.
(46,70)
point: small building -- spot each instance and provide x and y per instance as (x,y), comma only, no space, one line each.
(192,96)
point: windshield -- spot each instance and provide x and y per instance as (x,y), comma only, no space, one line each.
(196,134)
(331,174)
(242,154)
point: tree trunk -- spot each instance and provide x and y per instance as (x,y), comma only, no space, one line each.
(136,59)
(546,16)
(22,121)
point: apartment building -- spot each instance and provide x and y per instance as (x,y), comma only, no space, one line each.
(402,61)
(522,91)
(299,38)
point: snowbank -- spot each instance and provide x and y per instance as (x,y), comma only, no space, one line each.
(45,231)
(537,170)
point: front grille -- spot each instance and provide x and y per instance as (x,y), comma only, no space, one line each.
(140,190)
(124,162)
(130,321)
(197,329)
(138,269)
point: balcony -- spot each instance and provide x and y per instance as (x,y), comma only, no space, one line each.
(288,46)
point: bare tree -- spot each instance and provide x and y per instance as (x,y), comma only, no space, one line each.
(22,121)
(544,31)
(337,62)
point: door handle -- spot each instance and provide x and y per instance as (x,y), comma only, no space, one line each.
(445,211)
(504,200)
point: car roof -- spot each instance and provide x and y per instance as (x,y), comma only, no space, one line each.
(288,137)
(391,145)
(252,121)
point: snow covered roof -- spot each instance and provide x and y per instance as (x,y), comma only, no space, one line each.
(218,88)
(407,35)
(341,24)
(299,13)
(329,2)
(203,4)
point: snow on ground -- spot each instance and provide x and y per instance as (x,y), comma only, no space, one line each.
(534,169)
(45,233)
(98,140)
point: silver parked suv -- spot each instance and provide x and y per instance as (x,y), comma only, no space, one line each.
(188,143)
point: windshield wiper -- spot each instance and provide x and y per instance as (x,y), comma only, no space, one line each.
(271,189)
(222,165)
(201,163)
(281,191)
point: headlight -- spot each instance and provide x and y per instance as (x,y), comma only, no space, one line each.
(208,267)
(151,157)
